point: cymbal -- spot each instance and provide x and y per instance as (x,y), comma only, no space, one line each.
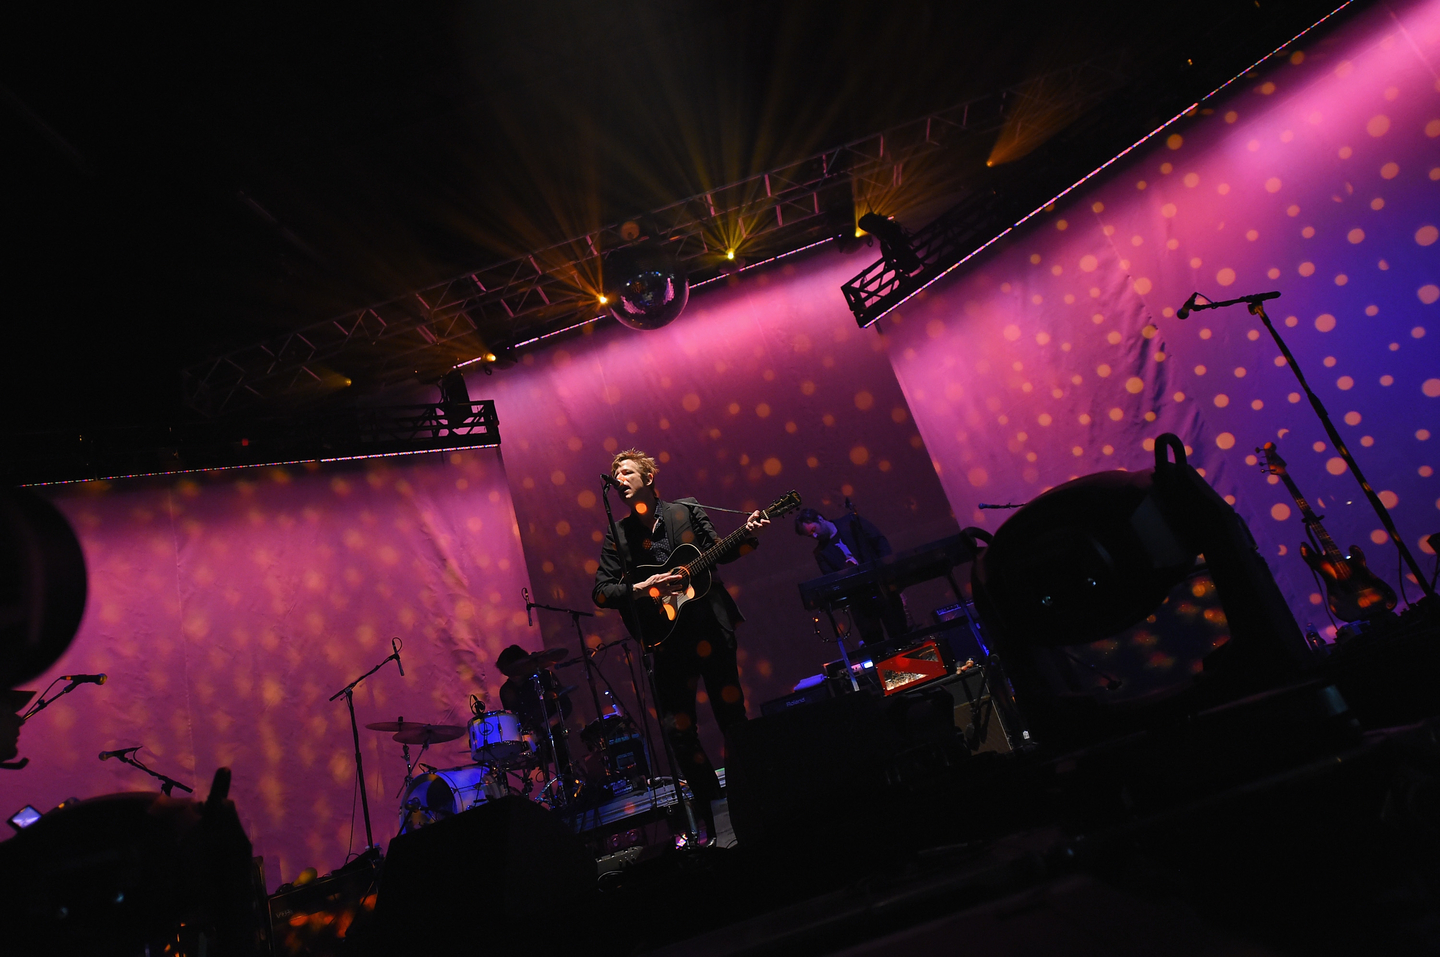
(429,734)
(394,725)
(413,728)
(531,664)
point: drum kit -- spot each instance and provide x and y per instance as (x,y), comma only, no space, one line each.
(510,756)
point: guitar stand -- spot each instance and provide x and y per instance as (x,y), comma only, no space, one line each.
(1255,303)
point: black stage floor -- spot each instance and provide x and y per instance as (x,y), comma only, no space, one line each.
(1302,820)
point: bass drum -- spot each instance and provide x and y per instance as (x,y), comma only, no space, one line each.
(441,794)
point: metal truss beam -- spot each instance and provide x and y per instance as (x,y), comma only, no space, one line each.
(48,458)
(427,332)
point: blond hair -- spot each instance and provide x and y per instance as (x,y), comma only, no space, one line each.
(648,468)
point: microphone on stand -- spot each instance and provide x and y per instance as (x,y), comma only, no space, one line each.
(107,755)
(395,653)
(610,481)
(529,615)
(85,679)
(1189,306)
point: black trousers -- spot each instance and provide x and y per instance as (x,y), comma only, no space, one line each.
(701,649)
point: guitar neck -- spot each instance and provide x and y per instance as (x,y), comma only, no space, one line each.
(1312,520)
(711,555)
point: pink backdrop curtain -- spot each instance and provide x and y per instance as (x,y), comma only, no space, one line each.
(226,609)
(1059,354)
(762,386)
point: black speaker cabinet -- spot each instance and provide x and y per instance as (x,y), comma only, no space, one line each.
(807,771)
(507,865)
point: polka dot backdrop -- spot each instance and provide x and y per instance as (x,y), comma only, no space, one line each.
(227,608)
(1060,354)
(762,386)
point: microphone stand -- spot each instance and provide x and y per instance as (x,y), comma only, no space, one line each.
(575,616)
(1254,303)
(349,692)
(692,828)
(41,703)
(167,783)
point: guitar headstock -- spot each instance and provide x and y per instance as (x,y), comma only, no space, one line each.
(1274,464)
(783,505)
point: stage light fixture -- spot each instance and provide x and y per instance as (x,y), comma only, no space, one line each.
(894,243)
(729,254)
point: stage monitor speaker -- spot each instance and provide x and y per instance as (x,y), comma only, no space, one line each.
(508,865)
(795,777)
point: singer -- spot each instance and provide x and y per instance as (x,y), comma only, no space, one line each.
(703,645)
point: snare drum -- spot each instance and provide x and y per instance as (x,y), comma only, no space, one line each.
(434,797)
(497,736)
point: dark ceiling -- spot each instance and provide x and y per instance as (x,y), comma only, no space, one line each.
(177,184)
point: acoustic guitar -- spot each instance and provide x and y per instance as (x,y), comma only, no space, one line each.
(660,614)
(1352,591)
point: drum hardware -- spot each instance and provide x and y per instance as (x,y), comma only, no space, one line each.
(613,755)
(349,694)
(532,664)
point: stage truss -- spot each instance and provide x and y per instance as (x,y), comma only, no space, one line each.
(423,334)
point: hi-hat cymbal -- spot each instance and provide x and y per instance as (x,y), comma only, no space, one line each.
(531,664)
(429,734)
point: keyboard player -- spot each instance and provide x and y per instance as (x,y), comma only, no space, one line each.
(845,543)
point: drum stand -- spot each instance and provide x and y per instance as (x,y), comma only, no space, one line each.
(565,783)
(575,616)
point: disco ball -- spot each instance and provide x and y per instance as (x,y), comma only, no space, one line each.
(645,287)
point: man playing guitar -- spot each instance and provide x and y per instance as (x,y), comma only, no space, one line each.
(701,644)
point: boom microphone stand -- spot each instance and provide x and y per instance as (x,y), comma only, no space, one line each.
(349,692)
(1254,303)
(575,616)
(127,755)
(691,827)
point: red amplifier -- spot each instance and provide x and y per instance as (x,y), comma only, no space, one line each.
(915,666)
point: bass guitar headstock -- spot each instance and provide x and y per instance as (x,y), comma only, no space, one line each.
(1274,464)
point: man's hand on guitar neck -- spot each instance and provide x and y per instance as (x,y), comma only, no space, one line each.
(756,520)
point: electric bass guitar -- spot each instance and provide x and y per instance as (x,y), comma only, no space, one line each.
(660,614)
(1352,590)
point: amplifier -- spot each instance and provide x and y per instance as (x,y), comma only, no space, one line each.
(916,666)
(314,918)
(976,713)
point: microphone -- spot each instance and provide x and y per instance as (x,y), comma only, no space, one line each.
(610,481)
(395,653)
(85,679)
(107,755)
(529,615)
(1189,306)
